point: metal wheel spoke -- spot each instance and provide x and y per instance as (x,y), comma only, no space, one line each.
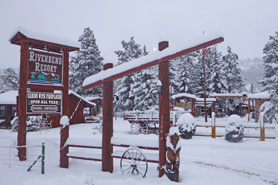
(134,162)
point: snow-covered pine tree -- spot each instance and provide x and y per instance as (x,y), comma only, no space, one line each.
(144,88)
(270,81)
(217,78)
(199,75)
(233,78)
(132,50)
(184,78)
(9,80)
(86,63)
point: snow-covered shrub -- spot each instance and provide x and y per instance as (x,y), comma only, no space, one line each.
(234,129)
(187,125)
(32,123)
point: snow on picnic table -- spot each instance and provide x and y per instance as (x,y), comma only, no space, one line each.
(203,161)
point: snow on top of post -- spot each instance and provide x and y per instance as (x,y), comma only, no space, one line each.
(8,98)
(150,58)
(43,37)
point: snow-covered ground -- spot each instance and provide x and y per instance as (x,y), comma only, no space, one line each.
(203,161)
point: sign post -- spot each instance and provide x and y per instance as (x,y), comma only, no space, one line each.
(43,70)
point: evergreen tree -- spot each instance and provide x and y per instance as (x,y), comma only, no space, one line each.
(184,80)
(131,51)
(9,80)
(233,78)
(270,81)
(86,63)
(144,88)
(217,77)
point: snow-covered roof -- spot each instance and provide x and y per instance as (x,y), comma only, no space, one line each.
(261,95)
(227,94)
(80,97)
(8,98)
(207,99)
(43,37)
(180,95)
(92,98)
(153,58)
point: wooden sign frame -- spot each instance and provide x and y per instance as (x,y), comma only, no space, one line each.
(27,43)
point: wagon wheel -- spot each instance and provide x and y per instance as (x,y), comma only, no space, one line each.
(134,162)
(135,128)
(144,128)
(153,129)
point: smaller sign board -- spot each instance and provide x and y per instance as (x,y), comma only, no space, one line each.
(43,103)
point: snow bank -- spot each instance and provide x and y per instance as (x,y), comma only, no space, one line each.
(66,180)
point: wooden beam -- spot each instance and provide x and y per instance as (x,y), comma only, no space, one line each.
(155,62)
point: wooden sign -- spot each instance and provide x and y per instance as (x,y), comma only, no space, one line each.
(43,103)
(45,67)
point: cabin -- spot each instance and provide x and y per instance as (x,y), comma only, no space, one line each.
(8,108)
(98,101)
(254,103)
(191,103)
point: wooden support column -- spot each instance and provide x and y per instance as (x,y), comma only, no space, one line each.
(64,134)
(249,109)
(22,94)
(262,130)
(193,108)
(164,108)
(107,125)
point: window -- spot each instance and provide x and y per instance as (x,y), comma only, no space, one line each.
(2,110)
(14,111)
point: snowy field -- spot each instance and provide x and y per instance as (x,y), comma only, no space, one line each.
(204,161)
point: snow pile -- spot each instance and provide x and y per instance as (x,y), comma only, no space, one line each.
(187,125)
(234,129)
(64,121)
(66,180)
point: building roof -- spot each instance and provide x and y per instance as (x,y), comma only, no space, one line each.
(8,98)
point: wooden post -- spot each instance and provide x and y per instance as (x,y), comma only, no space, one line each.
(22,94)
(249,109)
(164,108)
(262,125)
(107,125)
(213,119)
(193,108)
(205,94)
(64,160)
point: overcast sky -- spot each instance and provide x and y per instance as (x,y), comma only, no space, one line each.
(246,24)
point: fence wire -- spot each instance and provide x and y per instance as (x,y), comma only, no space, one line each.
(9,156)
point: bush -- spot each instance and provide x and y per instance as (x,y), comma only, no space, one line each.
(234,129)
(32,123)
(187,125)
